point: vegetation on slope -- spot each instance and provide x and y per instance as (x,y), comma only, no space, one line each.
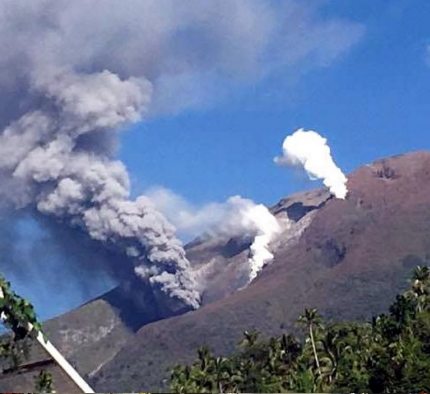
(389,354)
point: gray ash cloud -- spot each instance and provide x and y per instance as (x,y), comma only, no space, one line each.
(73,74)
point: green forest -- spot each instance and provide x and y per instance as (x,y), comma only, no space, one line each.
(389,354)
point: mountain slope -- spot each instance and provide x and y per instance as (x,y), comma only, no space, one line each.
(352,257)
(347,258)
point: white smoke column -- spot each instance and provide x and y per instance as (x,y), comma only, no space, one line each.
(310,150)
(236,217)
(257,218)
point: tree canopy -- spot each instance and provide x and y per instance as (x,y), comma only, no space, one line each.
(389,354)
(16,313)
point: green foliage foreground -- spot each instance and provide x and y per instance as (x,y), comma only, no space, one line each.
(391,354)
(15,314)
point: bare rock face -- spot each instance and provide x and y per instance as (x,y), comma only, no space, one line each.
(221,263)
(298,205)
(347,257)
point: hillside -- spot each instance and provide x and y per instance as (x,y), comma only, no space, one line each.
(349,262)
(347,257)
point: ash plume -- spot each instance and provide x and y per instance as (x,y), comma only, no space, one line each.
(63,177)
(310,150)
(73,74)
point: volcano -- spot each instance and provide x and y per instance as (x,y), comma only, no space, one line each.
(348,258)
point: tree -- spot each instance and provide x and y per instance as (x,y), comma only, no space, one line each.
(312,319)
(16,313)
(390,354)
(43,383)
(421,287)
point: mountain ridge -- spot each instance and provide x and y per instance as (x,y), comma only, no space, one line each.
(347,257)
(349,262)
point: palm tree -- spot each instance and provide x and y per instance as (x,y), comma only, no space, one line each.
(333,349)
(250,339)
(291,348)
(204,356)
(421,286)
(421,273)
(311,319)
(222,372)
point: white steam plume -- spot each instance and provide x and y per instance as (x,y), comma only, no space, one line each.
(72,73)
(310,150)
(236,217)
(265,226)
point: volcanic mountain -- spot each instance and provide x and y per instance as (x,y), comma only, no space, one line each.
(348,258)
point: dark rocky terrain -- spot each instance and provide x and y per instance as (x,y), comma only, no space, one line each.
(347,257)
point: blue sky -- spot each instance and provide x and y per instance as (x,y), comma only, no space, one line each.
(370,98)
(371,101)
